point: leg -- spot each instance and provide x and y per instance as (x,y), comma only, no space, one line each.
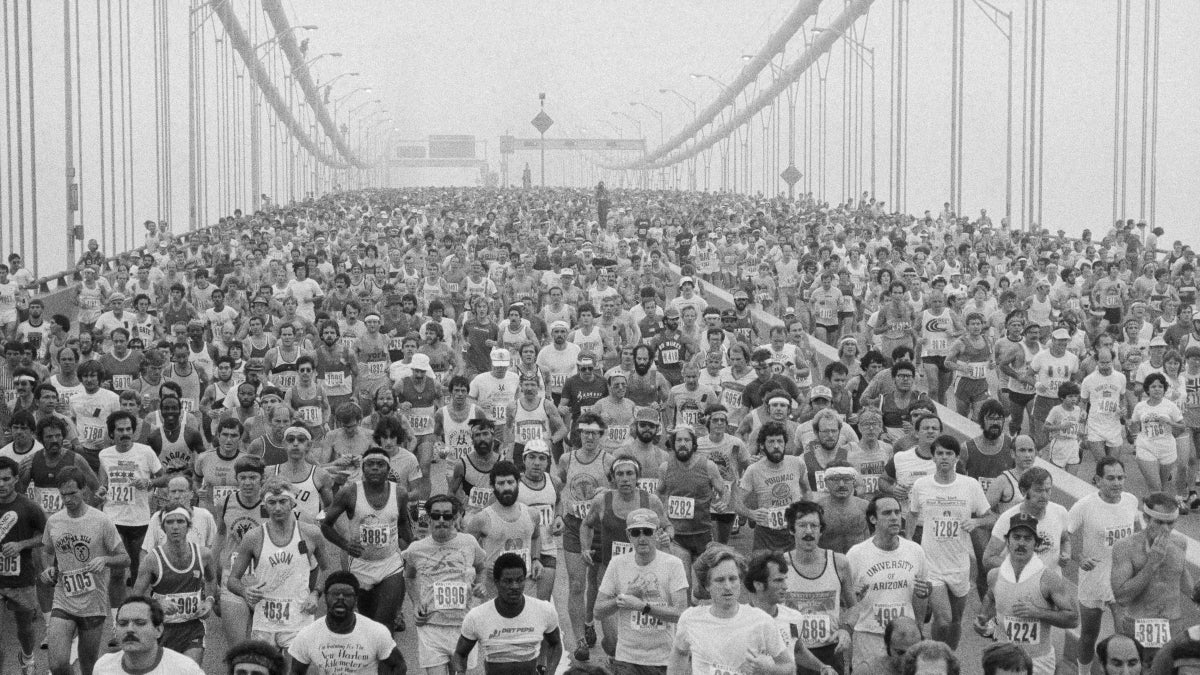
(424,453)
(60,633)
(943,614)
(1149,469)
(722,529)
(954,631)
(1089,630)
(89,647)
(545,583)
(684,555)
(235,617)
(25,618)
(932,375)
(389,600)
(979,541)
(577,581)
(1166,477)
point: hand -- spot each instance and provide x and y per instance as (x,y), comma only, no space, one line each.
(587,558)
(140,483)
(311,601)
(760,517)
(404,407)
(843,641)
(1063,559)
(1087,564)
(556,527)
(1158,552)
(422,614)
(49,576)
(1023,609)
(630,602)
(971,524)
(253,594)
(899,491)
(206,607)
(757,663)
(10,549)
(536,571)
(216,606)
(96,565)
(663,538)
(922,588)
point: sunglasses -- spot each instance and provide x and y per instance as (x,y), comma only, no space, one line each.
(641,532)
(447,517)
(294,439)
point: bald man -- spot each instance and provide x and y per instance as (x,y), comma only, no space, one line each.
(203,531)
(899,635)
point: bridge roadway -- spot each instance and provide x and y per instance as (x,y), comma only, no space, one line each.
(1068,489)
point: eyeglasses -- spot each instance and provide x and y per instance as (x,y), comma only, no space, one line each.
(641,532)
(294,439)
(446,517)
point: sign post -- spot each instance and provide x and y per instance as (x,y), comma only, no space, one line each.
(542,123)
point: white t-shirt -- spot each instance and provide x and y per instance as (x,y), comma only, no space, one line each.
(642,639)
(884,581)
(305,292)
(125,504)
(355,653)
(942,509)
(494,395)
(720,645)
(172,663)
(1103,394)
(1101,525)
(515,640)
(91,415)
(1155,435)
(202,533)
(1051,526)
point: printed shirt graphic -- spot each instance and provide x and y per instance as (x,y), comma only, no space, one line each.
(515,640)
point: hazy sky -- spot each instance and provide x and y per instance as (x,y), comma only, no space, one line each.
(477,66)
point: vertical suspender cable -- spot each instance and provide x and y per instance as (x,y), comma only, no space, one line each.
(1154,118)
(20,131)
(1026,20)
(126,111)
(79,119)
(1125,113)
(158,163)
(69,128)
(1145,110)
(166,64)
(33,208)
(1041,111)
(8,174)
(954,38)
(112,138)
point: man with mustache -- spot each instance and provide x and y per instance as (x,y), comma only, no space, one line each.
(688,485)
(1025,598)
(470,475)
(1150,576)
(180,575)
(444,571)
(645,448)
(647,386)
(845,513)
(344,640)
(887,573)
(1053,545)
(986,458)
(769,486)
(140,627)
(507,525)
(81,553)
(23,524)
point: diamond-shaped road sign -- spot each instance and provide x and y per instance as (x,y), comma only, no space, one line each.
(791,175)
(542,122)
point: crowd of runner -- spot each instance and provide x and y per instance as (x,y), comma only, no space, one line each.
(316,426)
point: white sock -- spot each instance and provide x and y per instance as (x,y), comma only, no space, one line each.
(75,649)
(1084,668)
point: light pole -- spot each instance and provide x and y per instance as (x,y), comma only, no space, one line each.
(338,77)
(662,135)
(867,55)
(638,125)
(275,38)
(996,15)
(692,103)
(313,60)
(730,145)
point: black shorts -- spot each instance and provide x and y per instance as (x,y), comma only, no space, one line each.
(694,543)
(548,560)
(722,517)
(939,361)
(623,668)
(570,533)
(1112,315)
(1019,400)
(81,622)
(183,636)
(827,655)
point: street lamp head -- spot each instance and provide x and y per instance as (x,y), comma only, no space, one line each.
(747,57)
(697,76)
(335,54)
(663,91)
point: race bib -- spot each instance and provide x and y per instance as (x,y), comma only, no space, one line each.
(49,499)
(523,553)
(940,344)
(649,485)
(870,484)
(681,508)
(826,313)
(1109,406)
(621,548)
(376,368)
(978,371)
(639,621)
(529,431)
(310,415)
(732,398)
(582,509)
(277,611)
(421,424)
(668,357)
(545,514)
(557,380)
(122,382)
(480,497)
(776,519)
(690,417)
(221,493)
(815,630)
(617,434)
(1114,534)
(10,566)
(500,413)
(77,583)
(1152,633)
(373,535)
(945,529)
(450,595)
(180,607)
(91,433)
(819,481)
(120,494)
(1022,631)
(335,380)
(886,612)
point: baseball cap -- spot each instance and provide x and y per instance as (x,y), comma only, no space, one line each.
(536,446)
(820,391)
(641,518)
(728,314)
(648,415)
(1061,334)
(741,293)
(671,313)
(1158,341)
(500,357)
(560,324)
(1022,520)
(687,280)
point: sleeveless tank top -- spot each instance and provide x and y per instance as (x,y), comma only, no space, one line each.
(190,384)
(457,435)
(986,468)
(334,372)
(506,536)
(1016,498)
(253,349)
(377,529)
(1039,311)
(542,501)
(476,484)
(202,358)
(219,480)
(283,573)
(818,599)
(308,497)
(935,331)
(238,519)
(373,359)
(286,373)
(176,456)
(180,591)
(420,416)
(308,409)
(976,359)
(1032,635)
(689,496)
(815,472)
(582,482)
(613,539)
(43,480)
(589,344)
(530,425)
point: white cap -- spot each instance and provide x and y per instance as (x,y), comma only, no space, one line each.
(421,362)
(687,280)
(1158,341)
(500,358)
(1061,334)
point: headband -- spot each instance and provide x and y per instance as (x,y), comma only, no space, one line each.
(254,660)
(297,430)
(841,472)
(590,426)
(780,399)
(627,460)
(1165,516)
(372,314)
(177,511)
(24,378)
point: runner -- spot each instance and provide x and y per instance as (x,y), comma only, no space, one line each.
(444,571)
(240,512)
(312,485)
(532,416)
(1054,543)
(768,487)
(344,639)
(1096,523)
(141,623)
(379,529)
(728,452)
(888,575)
(81,553)
(23,524)
(542,491)
(1025,598)
(688,485)
(511,628)
(470,475)
(818,586)
(506,525)
(181,577)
